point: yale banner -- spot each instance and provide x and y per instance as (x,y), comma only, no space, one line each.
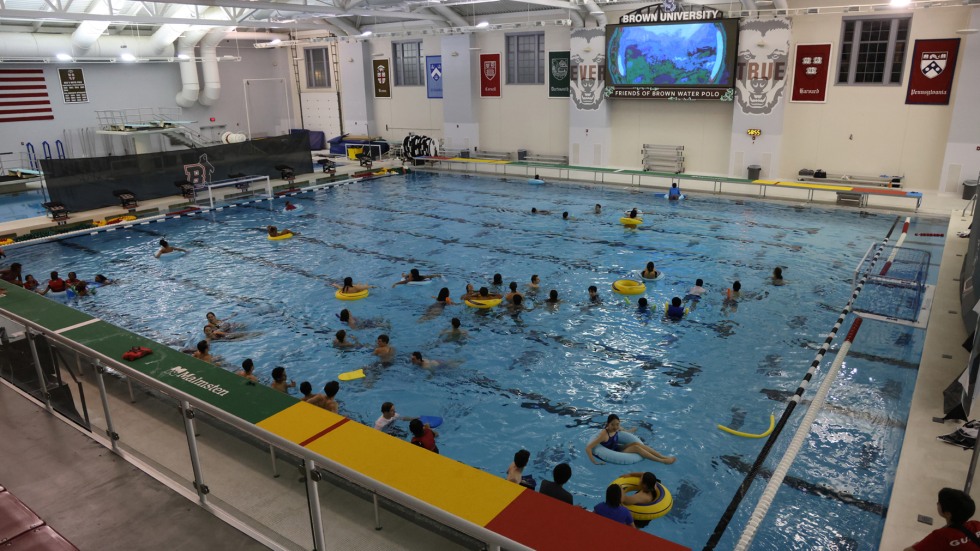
(382,78)
(559,74)
(433,76)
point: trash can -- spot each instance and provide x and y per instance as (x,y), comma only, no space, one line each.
(969,189)
(754,172)
(521,154)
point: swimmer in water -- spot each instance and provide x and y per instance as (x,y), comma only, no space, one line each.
(279,380)
(349,287)
(509,297)
(594,297)
(564,215)
(203,352)
(598,209)
(633,213)
(211,333)
(442,300)
(246,371)
(413,276)
(276,232)
(777,276)
(354,323)
(732,295)
(650,272)
(532,288)
(553,301)
(341,341)
(418,360)
(383,349)
(676,309)
(454,333)
(165,248)
(536,211)
(470,293)
(103,280)
(290,206)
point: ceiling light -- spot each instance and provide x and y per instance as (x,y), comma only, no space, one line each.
(366,34)
(183,56)
(126,56)
(483,24)
(63,57)
(275,41)
(899,3)
(966,31)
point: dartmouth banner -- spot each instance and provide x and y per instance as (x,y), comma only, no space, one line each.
(559,74)
(382,78)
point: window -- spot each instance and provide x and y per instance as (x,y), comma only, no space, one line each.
(873,51)
(408,63)
(317,67)
(525,58)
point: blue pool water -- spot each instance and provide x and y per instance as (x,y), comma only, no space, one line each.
(24,204)
(545,379)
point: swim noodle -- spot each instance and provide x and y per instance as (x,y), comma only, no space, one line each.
(772,424)
(350,296)
(659,507)
(482,303)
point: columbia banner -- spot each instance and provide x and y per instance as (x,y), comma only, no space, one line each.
(559,74)
(490,75)
(931,80)
(812,67)
(382,78)
(433,76)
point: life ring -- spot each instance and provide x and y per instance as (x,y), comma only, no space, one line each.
(114,220)
(339,295)
(482,303)
(279,237)
(4,242)
(629,287)
(535,181)
(422,282)
(658,277)
(631,222)
(297,209)
(657,508)
(618,457)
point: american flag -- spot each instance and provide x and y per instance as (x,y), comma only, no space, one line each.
(24,96)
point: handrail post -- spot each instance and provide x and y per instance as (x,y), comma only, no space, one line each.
(188,414)
(377,512)
(42,385)
(109,430)
(313,497)
(275,466)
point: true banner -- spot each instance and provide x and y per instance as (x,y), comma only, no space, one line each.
(382,78)
(559,74)
(931,78)
(490,75)
(433,76)
(812,67)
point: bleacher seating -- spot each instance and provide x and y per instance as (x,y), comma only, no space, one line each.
(22,529)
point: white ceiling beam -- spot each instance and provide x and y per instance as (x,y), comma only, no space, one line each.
(287,7)
(562,4)
(32,16)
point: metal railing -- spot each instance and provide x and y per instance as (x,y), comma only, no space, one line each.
(222,434)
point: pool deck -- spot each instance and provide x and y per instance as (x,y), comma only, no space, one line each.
(926,464)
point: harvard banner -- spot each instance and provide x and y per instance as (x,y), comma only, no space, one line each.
(490,75)
(931,78)
(812,67)
(382,78)
(559,74)
(433,76)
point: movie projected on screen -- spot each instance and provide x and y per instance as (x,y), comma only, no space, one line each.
(655,54)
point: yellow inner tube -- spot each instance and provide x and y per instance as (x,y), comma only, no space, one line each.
(7,241)
(482,303)
(772,425)
(280,237)
(629,287)
(662,505)
(351,296)
(630,221)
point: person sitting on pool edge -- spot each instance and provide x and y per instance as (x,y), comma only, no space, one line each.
(349,287)
(676,309)
(561,474)
(413,276)
(608,438)
(956,507)
(306,389)
(276,232)
(423,435)
(279,381)
(650,272)
(165,248)
(612,507)
(203,352)
(515,472)
(674,193)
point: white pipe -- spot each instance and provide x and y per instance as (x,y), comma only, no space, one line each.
(338,23)
(190,88)
(167,34)
(266,37)
(211,80)
(596,11)
(48,45)
(88,32)
(576,17)
(780,4)
(454,19)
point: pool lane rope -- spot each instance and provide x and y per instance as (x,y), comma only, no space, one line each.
(743,489)
(898,245)
(776,480)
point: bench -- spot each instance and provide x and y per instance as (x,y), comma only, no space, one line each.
(878,181)
(549,159)
(492,155)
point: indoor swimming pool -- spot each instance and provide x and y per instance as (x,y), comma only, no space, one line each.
(544,378)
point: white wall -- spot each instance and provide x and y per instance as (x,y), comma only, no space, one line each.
(869,130)
(408,109)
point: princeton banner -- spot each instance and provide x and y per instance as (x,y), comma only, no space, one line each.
(811,69)
(433,76)
(559,74)
(490,75)
(382,78)
(931,78)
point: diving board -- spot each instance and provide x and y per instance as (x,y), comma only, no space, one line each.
(470,494)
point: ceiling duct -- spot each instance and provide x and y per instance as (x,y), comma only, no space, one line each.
(88,32)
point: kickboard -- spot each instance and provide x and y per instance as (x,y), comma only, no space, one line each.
(351,375)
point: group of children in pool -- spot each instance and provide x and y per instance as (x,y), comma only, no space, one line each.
(71,286)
